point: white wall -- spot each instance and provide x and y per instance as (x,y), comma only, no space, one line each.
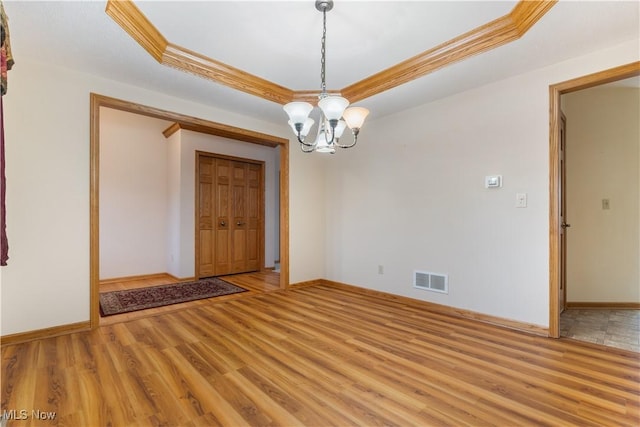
(339,229)
(412,196)
(174,203)
(603,142)
(307,182)
(133,195)
(46,283)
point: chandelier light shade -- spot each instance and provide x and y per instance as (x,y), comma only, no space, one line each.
(335,116)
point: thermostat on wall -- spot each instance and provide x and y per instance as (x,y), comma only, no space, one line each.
(493,181)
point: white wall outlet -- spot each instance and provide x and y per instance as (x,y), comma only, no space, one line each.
(380,269)
(521,200)
(605,204)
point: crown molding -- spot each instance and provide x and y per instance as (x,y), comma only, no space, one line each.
(226,131)
(496,33)
(200,65)
(127,15)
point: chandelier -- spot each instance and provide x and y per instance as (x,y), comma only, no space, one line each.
(335,117)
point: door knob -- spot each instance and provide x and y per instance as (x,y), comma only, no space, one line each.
(565,225)
(222,223)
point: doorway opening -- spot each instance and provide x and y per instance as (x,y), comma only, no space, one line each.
(557,220)
(189,123)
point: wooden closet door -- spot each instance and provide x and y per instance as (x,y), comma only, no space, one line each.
(247,217)
(230,217)
(206,215)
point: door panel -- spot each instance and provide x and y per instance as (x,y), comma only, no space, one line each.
(222,209)
(223,263)
(239,251)
(239,225)
(254,216)
(206,254)
(206,215)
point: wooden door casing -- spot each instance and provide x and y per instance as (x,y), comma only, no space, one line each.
(230,219)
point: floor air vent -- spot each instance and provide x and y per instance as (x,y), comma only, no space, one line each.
(431,281)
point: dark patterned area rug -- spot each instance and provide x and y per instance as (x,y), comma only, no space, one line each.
(117,302)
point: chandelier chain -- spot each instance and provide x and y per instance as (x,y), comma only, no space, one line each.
(334,116)
(323,52)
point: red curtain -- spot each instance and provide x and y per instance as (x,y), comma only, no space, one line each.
(4,242)
(6,62)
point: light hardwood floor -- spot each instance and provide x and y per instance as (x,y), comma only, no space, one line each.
(317,355)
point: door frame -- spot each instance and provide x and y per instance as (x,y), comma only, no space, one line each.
(184,122)
(555,92)
(262,204)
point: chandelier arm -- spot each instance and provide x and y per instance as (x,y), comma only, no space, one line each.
(355,140)
(301,141)
(306,151)
(332,126)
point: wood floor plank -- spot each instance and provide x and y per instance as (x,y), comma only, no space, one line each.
(316,355)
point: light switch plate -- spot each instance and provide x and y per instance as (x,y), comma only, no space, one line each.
(493,181)
(521,200)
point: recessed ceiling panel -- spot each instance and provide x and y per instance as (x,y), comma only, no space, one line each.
(280,41)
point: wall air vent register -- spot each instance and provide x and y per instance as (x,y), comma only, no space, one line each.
(431,281)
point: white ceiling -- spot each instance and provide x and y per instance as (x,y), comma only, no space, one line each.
(280,41)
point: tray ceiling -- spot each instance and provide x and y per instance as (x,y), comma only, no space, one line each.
(280,42)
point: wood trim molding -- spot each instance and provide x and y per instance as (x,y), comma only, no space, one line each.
(496,33)
(555,92)
(311,96)
(244,135)
(314,282)
(138,277)
(45,333)
(173,128)
(94,208)
(192,123)
(443,309)
(284,215)
(621,72)
(182,279)
(127,15)
(605,305)
(481,39)
(202,66)
(554,212)
(226,131)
